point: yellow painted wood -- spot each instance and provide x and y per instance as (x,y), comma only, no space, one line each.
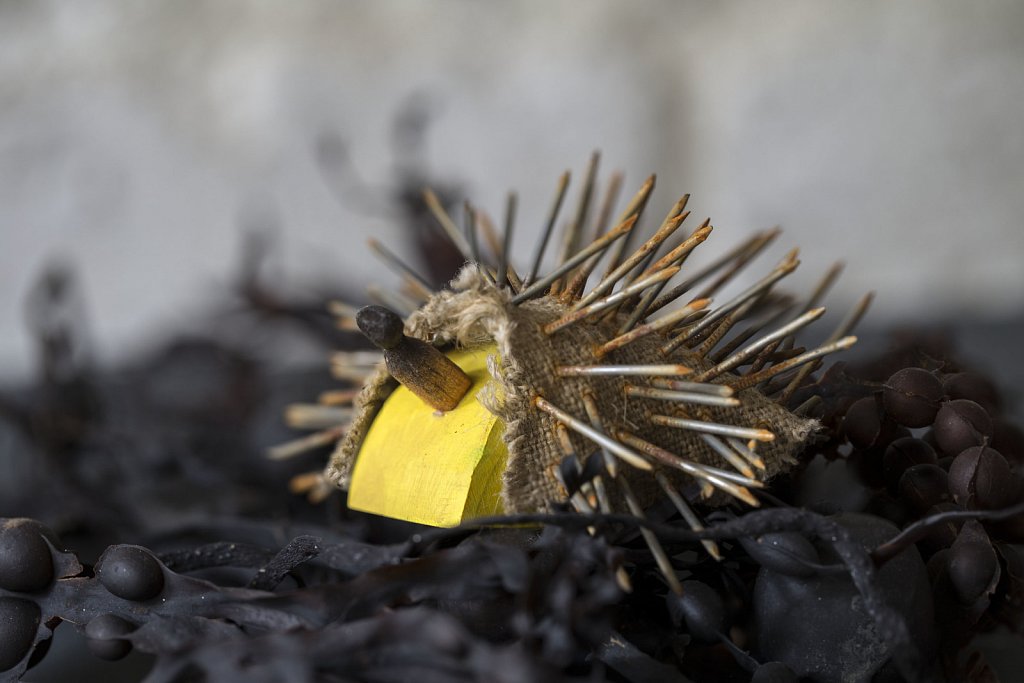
(430,467)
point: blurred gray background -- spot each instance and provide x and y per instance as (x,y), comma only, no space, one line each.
(139,141)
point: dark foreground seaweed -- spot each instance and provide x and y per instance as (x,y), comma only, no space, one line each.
(162,530)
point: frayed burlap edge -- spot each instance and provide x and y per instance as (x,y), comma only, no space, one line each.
(365,407)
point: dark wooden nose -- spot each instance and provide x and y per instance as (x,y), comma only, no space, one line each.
(420,367)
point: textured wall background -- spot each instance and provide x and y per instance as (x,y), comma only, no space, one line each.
(137,140)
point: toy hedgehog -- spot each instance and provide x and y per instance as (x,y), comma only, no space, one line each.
(509,393)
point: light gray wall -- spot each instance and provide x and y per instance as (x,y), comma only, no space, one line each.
(133,136)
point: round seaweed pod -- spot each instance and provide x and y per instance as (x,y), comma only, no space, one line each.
(26,562)
(980,477)
(130,572)
(796,619)
(974,387)
(862,423)
(973,568)
(961,424)
(912,396)
(923,486)
(903,454)
(19,620)
(105,636)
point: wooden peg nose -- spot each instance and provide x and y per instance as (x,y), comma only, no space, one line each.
(420,367)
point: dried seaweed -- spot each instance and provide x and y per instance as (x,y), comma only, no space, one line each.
(259,586)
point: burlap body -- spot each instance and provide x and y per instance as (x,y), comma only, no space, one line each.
(474,313)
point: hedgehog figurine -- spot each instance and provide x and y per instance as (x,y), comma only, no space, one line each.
(512,394)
